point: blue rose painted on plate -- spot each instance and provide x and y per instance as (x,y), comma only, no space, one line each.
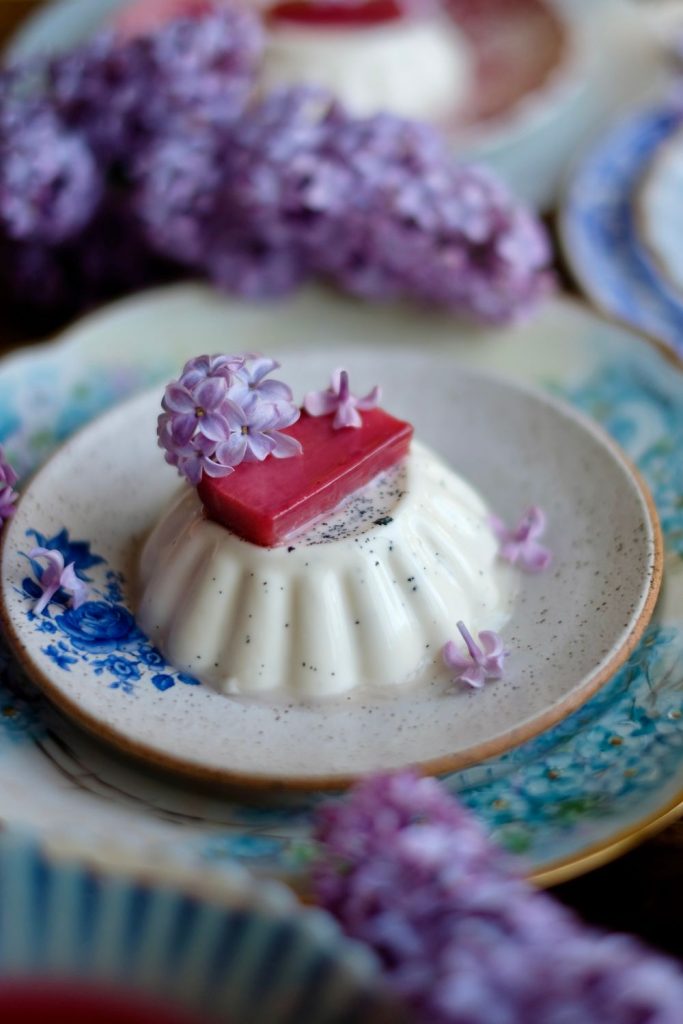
(102,632)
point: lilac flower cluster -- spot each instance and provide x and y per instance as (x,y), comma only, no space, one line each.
(72,131)
(161,128)
(378,205)
(193,72)
(8,495)
(463,939)
(223,411)
(49,183)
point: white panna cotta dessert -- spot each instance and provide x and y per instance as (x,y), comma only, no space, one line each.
(417,67)
(363,598)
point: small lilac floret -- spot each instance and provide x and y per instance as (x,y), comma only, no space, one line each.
(8,495)
(56,576)
(480,663)
(520,546)
(338,399)
(222,411)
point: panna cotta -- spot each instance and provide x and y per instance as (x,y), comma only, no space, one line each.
(363,597)
(372,56)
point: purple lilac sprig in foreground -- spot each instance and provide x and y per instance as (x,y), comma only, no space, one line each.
(55,576)
(222,411)
(461,937)
(339,400)
(520,545)
(8,495)
(483,661)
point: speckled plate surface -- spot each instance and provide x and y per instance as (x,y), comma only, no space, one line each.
(554,70)
(570,628)
(601,780)
(599,227)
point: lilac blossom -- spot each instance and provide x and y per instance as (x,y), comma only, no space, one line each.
(201,410)
(192,71)
(462,939)
(221,412)
(250,379)
(520,546)
(255,432)
(50,185)
(480,663)
(8,495)
(56,576)
(338,399)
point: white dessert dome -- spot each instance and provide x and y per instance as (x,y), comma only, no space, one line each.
(413,67)
(363,598)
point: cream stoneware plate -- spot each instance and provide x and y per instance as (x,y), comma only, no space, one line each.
(601,780)
(570,629)
(580,62)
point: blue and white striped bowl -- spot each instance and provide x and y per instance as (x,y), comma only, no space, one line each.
(251,955)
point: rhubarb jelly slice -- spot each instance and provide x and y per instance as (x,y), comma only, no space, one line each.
(264,502)
(340,14)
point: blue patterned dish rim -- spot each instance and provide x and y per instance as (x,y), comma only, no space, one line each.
(600,780)
(239,952)
(599,230)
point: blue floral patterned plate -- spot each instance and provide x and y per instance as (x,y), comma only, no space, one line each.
(109,487)
(568,799)
(600,231)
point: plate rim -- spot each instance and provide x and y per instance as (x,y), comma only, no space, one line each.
(589,295)
(440,766)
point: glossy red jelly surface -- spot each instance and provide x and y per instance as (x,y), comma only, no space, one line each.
(144,16)
(54,1002)
(264,502)
(336,15)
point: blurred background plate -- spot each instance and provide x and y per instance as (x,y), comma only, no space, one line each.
(599,227)
(600,781)
(610,57)
(237,952)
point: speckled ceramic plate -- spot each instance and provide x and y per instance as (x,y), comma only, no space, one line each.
(554,70)
(604,778)
(570,628)
(599,227)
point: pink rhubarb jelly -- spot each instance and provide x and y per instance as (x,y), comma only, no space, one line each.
(264,502)
(336,15)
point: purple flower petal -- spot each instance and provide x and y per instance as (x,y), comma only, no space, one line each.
(181,428)
(534,557)
(320,403)
(178,399)
(259,447)
(78,589)
(209,393)
(284,446)
(232,451)
(214,426)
